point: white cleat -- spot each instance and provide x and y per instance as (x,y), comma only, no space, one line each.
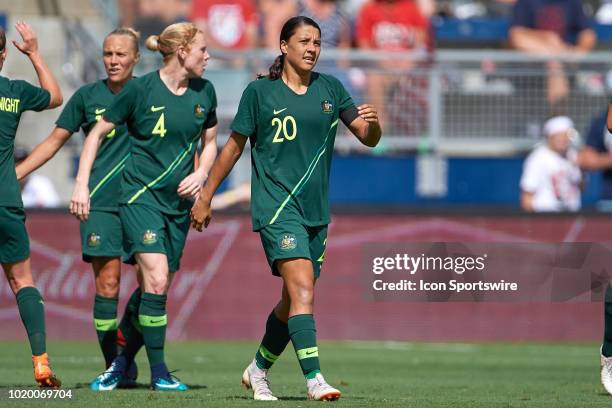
(320,390)
(606,373)
(256,379)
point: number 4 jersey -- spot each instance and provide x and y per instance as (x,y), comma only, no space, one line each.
(165,130)
(292,138)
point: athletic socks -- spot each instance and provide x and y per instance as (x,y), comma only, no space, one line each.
(153,321)
(32,312)
(273,343)
(105,321)
(129,335)
(606,349)
(304,338)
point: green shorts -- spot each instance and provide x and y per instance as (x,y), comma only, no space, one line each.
(101,235)
(291,239)
(14,241)
(148,230)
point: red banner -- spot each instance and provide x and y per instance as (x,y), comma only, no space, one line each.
(225,290)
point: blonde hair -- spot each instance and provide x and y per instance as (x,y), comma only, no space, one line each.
(173,37)
(130,32)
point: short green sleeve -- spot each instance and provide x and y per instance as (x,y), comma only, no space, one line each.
(32,97)
(344,99)
(211,118)
(124,104)
(73,115)
(245,121)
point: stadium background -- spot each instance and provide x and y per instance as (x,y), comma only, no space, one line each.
(447,170)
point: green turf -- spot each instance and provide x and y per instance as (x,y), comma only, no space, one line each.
(370,374)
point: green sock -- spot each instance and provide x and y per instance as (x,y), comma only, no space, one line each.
(105,320)
(32,312)
(273,343)
(153,320)
(606,349)
(304,338)
(129,335)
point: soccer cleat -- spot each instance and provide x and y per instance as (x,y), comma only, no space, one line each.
(109,379)
(606,373)
(129,379)
(43,374)
(320,390)
(171,383)
(256,379)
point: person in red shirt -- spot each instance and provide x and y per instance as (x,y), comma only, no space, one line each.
(390,25)
(227,24)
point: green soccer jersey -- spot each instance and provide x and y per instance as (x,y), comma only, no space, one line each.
(292,139)
(165,130)
(84,110)
(16,97)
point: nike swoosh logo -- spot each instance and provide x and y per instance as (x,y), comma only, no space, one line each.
(157,108)
(99,111)
(99,325)
(276,112)
(102,387)
(157,321)
(168,386)
(310,352)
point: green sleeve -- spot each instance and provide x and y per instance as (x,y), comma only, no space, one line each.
(73,115)
(124,104)
(344,99)
(245,121)
(211,118)
(33,98)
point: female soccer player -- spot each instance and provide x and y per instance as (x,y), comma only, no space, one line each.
(291,117)
(167,112)
(101,236)
(17,97)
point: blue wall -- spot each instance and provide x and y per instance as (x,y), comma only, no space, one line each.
(363,180)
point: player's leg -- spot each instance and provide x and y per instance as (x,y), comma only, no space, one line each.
(15,261)
(107,272)
(606,349)
(32,311)
(129,333)
(274,341)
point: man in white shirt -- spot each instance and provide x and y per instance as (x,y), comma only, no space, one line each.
(552,180)
(37,190)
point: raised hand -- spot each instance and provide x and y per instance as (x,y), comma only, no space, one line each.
(29,44)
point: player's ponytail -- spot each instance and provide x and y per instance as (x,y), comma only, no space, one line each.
(174,36)
(2,39)
(289,28)
(276,69)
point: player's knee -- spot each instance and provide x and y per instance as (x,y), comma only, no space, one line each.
(303,295)
(156,283)
(108,286)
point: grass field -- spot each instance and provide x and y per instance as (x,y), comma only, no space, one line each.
(370,374)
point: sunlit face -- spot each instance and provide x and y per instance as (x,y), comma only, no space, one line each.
(120,57)
(195,57)
(303,48)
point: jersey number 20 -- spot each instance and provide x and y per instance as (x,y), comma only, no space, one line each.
(283,125)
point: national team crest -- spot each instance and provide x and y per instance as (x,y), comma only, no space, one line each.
(198,111)
(288,242)
(327,106)
(93,240)
(149,237)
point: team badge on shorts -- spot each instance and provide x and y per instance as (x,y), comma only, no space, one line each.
(93,240)
(198,111)
(149,237)
(287,242)
(327,106)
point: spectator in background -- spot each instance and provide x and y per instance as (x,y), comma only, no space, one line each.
(274,14)
(227,24)
(150,17)
(555,27)
(551,179)
(390,25)
(37,190)
(334,24)
(596,155)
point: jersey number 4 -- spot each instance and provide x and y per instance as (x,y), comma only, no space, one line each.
(288,123)
(160,127)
